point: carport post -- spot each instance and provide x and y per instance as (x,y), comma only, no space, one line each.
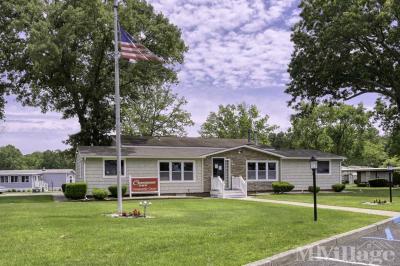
(314,165)
(390,169)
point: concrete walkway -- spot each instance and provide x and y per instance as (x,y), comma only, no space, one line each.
(339,208)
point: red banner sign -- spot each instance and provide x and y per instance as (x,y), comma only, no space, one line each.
(144,184)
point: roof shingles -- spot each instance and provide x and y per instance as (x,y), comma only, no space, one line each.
(189,147)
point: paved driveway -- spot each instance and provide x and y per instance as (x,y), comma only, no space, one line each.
(379,248)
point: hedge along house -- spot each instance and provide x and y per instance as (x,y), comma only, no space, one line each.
(219,167)
(38,180)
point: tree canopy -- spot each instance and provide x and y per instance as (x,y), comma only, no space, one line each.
(58,55)
(234,121)
(11,158)
(155,111)
(340,129)
(344,49)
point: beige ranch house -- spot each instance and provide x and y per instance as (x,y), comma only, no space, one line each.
(216,167)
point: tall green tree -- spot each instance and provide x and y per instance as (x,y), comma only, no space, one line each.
(342,129)
(58,55)
(388,117)
(234,121)
(343,49)
(11,158)
(155,111)
(48,159)
(281,140)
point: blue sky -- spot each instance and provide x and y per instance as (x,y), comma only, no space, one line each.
(238,51)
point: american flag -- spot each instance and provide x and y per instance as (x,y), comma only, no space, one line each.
(134,51)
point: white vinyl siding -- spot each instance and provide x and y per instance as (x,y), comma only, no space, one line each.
(299,173)
(141,167)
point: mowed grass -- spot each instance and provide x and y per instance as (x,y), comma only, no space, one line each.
(182,232)
(352,197)
(25,199)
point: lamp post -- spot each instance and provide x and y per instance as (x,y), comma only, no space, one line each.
(390,169)
(314,165)
(145,204)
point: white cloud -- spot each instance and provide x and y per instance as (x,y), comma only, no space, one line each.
(233,42)
(238,51)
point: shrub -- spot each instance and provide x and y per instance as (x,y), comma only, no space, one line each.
(63,187)
(113,190)
(28,190)
(338,187)
(379,182)
(13,190)
(282,187)
(75,190)
(362,185)
(99,193)
(311,189)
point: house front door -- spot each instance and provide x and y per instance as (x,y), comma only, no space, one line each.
(219,168)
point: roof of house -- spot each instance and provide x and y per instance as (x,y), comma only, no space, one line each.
(36,171)
(300,153)
(181,142)
(192,147)
(148,151)
(355,168)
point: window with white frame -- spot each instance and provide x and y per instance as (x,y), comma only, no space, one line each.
(188,171)
(110,167)
(272,171)
(261,170)
(14,179)
(175,171)
(164,171)
(252,171)
(3,179)
(323,167)
(24,179)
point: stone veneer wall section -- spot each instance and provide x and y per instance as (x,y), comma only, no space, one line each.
(238,167)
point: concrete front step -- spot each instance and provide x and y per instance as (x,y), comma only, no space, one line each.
(228,194)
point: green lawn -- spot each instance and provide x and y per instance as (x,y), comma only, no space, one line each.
(352,197)
(38,231)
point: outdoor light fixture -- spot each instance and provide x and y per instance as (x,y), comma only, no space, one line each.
(314,165)
(145,204)
(390,169)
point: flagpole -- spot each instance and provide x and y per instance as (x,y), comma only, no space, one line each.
(117,108)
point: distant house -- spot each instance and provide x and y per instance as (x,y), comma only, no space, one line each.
(219,167)
(40,180)
(362,174)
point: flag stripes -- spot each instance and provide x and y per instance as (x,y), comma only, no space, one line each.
(134,51)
